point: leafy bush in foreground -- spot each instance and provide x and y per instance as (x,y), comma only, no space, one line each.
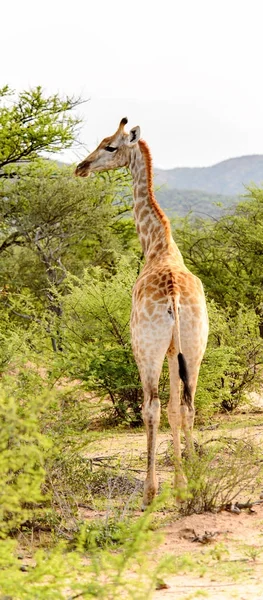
(232,365)
(98,348)
(22,450)
(63,575)
(96,315)
(230,468)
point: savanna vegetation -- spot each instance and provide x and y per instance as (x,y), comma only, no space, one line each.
(69,256)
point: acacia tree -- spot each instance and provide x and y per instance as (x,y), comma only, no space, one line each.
(54,223)
(50,221)
(31,123)
(227,253)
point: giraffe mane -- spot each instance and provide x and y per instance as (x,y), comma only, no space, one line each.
(149,171)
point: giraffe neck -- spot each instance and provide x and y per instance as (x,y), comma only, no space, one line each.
(153,227)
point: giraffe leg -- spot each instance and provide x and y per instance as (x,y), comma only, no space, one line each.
(151,339)
(193,344)
(188,411)
(151,418)
(187,421)
(174,417)
(149,354)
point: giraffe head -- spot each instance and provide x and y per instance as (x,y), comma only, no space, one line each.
(112,152)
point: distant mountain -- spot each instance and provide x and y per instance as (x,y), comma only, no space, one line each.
(199,189)
(202,204)
(227,177)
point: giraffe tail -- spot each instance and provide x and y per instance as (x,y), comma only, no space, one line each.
(183,373)
(182,365)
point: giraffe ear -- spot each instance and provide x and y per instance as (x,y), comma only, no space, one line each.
(134,136)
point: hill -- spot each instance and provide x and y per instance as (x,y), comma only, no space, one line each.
(227,177)
(202,204)
(200,189)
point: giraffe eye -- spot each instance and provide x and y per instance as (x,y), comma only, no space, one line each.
(110,149)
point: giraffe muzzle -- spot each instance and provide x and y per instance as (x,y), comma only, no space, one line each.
(83,169)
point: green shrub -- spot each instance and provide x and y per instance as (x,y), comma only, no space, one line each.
(105,533)
(97,348)
(96,339)
(22,451)
(58,574)
(232,365)
(216,477)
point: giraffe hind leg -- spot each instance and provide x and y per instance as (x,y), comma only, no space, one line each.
(151,417)
(174,418)
(189,378)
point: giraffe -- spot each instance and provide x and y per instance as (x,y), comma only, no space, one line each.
(169,316)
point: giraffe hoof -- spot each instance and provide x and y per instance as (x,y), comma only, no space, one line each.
(180,488)
(145,504)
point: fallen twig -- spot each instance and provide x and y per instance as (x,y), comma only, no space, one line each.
(206,538)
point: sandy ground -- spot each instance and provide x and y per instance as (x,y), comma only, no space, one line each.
(230,565)
(238,572)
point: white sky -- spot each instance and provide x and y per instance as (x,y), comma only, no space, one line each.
(189,72)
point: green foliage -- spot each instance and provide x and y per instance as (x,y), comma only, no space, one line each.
(32,123)
(11,339)
(19,336)
(218,475)
(53,227)
(98,350)
(105,533)
(54,222)
(107,575)
(22,450)
(232,364)
(47,212)
(96,316)
(227,253)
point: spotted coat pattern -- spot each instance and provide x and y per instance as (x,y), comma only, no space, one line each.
(169,315)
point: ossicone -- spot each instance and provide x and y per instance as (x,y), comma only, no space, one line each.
(123,122)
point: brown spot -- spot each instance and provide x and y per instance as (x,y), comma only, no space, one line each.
(150,289)
(144,229)
(157,295)
(139,205)
(149,307)
(145,213)
(159,247)
(147,222)
(143,189)
(171,350)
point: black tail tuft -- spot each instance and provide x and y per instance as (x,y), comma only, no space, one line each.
(187,396)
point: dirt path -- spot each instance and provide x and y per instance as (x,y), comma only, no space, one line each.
(230,566)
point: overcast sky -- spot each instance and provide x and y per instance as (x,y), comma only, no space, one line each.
(189,72)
